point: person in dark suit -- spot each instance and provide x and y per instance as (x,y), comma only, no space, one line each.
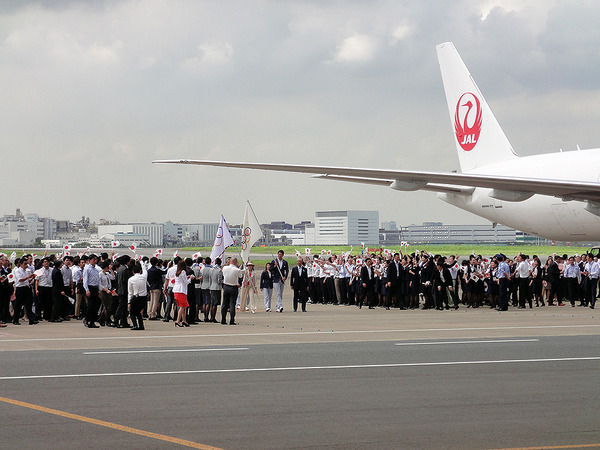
(58,292)
(280,271)
(554,280)
(299,284)
(395,275)
(367,280)
(442,282)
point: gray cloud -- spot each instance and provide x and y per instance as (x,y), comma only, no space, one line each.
(94,91)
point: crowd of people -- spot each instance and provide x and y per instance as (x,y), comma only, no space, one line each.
(101,290)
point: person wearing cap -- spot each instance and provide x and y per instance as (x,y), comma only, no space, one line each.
(249,291)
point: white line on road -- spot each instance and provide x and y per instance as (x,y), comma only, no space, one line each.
(296,333)
(285,369)
(118,352)
(467,342)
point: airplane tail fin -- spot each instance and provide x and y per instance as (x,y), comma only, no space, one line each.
(478,137)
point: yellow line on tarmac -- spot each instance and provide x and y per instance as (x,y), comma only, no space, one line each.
(553,447)
(114,426)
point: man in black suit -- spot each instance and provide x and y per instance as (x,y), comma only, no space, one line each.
(555,282)
(394,285)
(367,280)
(279,271)
(442,282)
(299,284)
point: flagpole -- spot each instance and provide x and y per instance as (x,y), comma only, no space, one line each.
(270,249)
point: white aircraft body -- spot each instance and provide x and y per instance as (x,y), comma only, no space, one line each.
(556,196)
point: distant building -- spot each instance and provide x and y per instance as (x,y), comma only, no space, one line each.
(140,233)
(438,233)
(346,227)
(389,226)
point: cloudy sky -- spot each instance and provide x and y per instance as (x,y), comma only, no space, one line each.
(92,92)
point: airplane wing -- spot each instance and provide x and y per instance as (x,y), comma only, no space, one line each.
(505,187)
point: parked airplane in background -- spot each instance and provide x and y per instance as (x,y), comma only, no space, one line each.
(556,196)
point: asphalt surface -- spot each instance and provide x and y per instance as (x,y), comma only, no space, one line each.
(333,377)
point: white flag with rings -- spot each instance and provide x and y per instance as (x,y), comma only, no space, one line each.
(223,240)
(251,233)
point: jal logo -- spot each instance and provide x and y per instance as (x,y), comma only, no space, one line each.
(467,121)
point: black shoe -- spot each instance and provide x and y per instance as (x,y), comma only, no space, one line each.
(135,327)
(85,323)
(122,326)
(214,321)
(206,319)
(223,322)
(16,322)
(232,323)
(92,325)
(153,318)
(33,322)
(387,308)
(166,319)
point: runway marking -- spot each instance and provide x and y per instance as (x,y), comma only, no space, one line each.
(295,368)
(552,447)
(296,333)
(498,341)
(119,352)
(114,426)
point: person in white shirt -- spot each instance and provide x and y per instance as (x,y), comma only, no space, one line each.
(180,288)
(77,277)
(43,290)
(24,297)
(137,296)
(593,271)
(231,276)
(522,275)
(106,292)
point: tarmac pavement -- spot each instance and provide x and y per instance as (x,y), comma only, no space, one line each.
(335,377)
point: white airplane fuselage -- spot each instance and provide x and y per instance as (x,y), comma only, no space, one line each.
(541,215)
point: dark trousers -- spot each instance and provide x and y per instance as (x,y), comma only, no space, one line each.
(93,304)
(58,306)
(330,286)
(5,294)
(230,294)
(191,298)
(503,295)
(121,314)
(344,291)
(524,296)
(441,298)
(135,312)
(300,295)
(45,302)
(318,290)
(395,290)
(572,288)
(369,294)
(556,289)
(592,289)
(24,297)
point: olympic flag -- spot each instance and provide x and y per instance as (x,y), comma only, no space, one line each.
(223,240)
(250,234)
